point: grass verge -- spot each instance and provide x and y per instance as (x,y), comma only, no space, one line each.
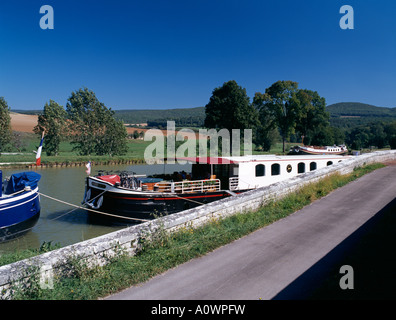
(166,251)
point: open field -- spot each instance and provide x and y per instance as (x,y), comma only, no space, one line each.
(26,123)
(23,122)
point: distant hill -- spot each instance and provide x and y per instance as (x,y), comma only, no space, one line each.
(30,112)
(350,114)
(359,109)
(343,115)
(183,116)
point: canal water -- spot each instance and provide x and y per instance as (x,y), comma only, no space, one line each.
(62,224)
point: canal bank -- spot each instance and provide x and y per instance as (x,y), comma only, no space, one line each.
(96,251)
(65,164)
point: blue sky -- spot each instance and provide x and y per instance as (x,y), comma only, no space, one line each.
(172,54)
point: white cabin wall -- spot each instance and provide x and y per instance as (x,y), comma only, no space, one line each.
(247,170)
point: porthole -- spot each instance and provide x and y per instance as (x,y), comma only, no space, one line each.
(289,168)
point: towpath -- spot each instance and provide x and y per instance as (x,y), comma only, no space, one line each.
(284,260)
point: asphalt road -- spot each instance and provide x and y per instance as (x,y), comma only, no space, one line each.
(284,260)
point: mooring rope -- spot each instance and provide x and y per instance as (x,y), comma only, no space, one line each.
(70,211)
(95,211)
(99,212)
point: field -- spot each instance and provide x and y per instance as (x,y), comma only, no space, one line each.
(24,124)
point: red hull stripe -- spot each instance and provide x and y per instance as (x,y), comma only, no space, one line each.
(173,198)
(322,153)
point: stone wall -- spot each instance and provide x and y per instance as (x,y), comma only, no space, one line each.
(98,250)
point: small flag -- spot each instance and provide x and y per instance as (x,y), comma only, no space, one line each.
(38,155)
(88,165)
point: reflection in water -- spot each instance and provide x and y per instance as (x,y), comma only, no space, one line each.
(63,224)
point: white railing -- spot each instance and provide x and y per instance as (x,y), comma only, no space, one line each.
(188,186)
(234,182)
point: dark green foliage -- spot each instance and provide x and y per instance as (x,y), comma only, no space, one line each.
(348,115)
(183,117)
(229,108)
(267,130)
(282,104)
(291,110)
(5,125)
(375,134)
(93,128)
(313,123)
(52,122)
(360,109)
(113,141)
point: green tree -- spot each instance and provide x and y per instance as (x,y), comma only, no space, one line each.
(113,141)
(93,126)
(266,130)
(5,125)
(338,135)
(229,107)
(359,137)
(323,136)
(282,106)
(53,124)
(313,115)
(390,130)
(378,136)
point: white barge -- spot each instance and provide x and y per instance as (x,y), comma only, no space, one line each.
(211,179)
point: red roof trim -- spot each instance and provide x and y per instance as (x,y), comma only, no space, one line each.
(207,160)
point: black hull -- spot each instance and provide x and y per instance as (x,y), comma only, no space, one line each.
(136,208)
(19,229)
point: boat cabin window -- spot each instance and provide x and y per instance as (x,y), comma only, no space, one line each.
(329,163)
(260,170)
(289,168)
(312,166)
(234,170)
(275,169)
(301,167)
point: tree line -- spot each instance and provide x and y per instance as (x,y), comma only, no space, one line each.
(5,125)
(282,111)
(190,122)
(282,108)
(86,122)
(378,134)
(293,114)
